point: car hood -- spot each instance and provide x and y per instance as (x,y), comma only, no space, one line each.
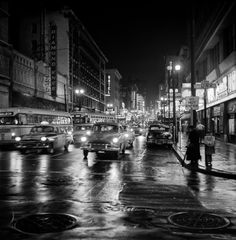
(36,136)
(103,137)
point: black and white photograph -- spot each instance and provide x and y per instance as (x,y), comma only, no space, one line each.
(117,120)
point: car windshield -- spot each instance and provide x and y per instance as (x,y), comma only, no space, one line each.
(158,128)
(42,129)
(105,128)
(82,128)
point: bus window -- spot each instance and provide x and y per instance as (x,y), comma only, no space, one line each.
(22,119)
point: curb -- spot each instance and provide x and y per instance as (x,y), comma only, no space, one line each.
(201,169)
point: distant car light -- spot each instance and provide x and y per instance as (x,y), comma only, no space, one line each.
(44,123)
(88,133)
(70,132)
(126,135)
(18,139)
(83,139)
(115,140)
(13,134)
(43,139)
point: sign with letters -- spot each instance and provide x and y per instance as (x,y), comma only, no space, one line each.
(192,102)
(53,58)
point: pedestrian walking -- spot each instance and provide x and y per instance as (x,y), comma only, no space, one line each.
(209,142)
(193,147)
(201,130)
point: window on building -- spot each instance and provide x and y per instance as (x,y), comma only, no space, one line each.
(34,28)
(228,40)
(34,46)
(214,57)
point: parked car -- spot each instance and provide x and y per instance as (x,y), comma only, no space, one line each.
(138,130)
(45,137)
(80,130)
(106,137)
(130,136)
(159,134)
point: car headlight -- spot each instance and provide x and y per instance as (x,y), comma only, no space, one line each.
(115,140)
(43,139)
(88,133)
(83,139)
(131,129)
(70,132)
(13,134)
(126,135)
(18,139)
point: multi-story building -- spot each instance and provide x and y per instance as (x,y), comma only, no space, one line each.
(59,39)
(5,57)
(215,65)
(113,99)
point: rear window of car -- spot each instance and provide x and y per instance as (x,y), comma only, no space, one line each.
(82,128)
(105,128)
(43,129)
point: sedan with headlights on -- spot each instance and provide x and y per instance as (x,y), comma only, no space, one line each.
(80,130)
(106,137)
(44,137)
(159,134)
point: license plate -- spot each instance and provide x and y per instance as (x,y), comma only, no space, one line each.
(101,152)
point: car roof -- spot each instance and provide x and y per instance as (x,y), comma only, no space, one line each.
(159,125)
(106,123)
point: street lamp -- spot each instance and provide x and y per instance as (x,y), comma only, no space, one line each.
(177,69)
(79,92)
(173,69)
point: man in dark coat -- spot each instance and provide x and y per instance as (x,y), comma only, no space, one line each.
(193,148)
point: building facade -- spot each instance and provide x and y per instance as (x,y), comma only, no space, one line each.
(113,98)
(215,61)
(5,57)
(59,39)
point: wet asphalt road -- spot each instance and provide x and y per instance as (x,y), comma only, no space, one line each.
(126,198)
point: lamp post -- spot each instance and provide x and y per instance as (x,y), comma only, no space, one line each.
(79,92)
(177,69)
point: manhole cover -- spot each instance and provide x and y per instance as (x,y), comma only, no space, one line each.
(57,181)
(45,223)
(198,221)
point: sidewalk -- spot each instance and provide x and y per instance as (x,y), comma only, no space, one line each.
(223,161)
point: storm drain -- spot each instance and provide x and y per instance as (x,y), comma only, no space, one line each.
(45,223)
(198,221)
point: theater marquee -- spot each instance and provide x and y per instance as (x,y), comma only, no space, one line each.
(53,58)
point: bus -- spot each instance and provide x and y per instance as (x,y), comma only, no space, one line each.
(17,121)
(91,117)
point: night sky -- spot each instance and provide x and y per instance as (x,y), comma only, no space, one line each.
(135,37)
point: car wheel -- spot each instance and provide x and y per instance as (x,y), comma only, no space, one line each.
(85,152)
(66,147)
(51,149)
(115,155)
(23,151)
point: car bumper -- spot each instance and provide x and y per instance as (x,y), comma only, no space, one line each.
(160,141)
(36,146)
(100,148)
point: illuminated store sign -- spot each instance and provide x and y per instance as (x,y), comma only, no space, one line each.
(53,59)
(221,88)
(232,81)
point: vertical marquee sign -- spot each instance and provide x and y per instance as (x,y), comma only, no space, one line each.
(53,58)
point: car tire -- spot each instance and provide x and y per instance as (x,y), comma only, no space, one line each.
(51,149)
(66,147)
(115,155)
(85,152)
(23,151)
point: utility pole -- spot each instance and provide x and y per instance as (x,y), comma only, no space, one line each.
(192,53)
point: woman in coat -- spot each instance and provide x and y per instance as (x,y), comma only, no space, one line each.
(193,148)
